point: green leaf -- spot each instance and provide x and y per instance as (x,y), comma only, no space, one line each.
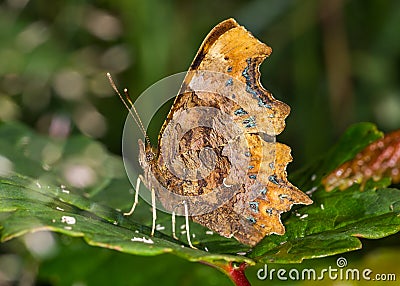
(38,193)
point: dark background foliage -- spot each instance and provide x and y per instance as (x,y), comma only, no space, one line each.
(334,62)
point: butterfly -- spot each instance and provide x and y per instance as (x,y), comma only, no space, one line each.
(217,161)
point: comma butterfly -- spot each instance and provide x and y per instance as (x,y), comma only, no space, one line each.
(216,159)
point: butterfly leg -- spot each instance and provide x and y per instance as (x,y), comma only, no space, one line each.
(187,225)
(153,206)
(173,221)
(136,198)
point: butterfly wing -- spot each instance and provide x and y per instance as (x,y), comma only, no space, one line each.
(224,76)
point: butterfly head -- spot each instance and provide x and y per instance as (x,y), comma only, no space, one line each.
(147,155)
(150,155)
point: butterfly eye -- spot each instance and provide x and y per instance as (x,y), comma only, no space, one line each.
(149,156)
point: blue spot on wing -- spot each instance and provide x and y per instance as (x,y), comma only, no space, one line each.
(251,91)
(273,179)
(240,112)
(282,196)
(261,103)
(254,206)
(229,82)
(249,122)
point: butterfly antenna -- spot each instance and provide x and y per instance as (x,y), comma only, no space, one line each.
(133,114)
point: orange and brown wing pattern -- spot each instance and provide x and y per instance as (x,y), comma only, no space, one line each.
(225,76)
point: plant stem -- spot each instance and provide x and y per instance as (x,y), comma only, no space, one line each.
(234,271)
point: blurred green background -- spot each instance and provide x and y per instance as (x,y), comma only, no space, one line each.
(334,62)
